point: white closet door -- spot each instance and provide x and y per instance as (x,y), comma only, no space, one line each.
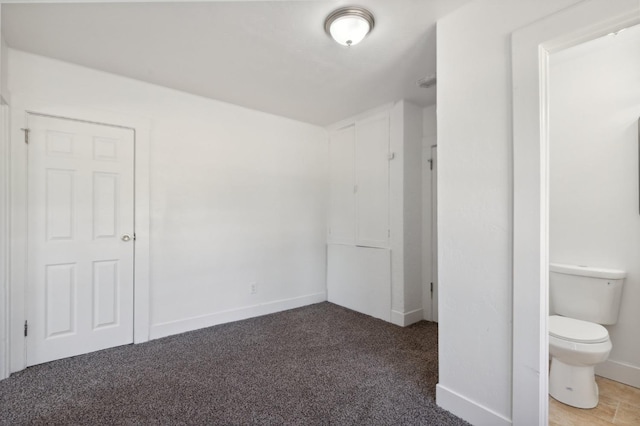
(372,180)
(359,278)
(342,202)
(81,198)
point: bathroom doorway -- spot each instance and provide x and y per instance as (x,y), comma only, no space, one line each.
(531,46)
(594,219)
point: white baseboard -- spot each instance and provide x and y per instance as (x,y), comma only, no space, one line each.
(468,410)
(620,372)
(404,319)
(195,323)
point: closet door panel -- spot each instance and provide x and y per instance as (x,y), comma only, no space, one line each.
(372,181)
(359,278)
(342,216)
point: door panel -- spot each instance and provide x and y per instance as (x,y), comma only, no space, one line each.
(105,204)
(60,300)
(372,177)
(105,293)
(59,196)
(359,278)
(342,202)
(80,271)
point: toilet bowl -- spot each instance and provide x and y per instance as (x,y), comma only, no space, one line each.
(582,299)
(576,347)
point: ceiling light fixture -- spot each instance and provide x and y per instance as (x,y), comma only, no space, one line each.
(349,25)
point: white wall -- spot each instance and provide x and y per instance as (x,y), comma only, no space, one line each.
(405,213)
(4,212)
(237,196)
(429,138)
(412,224)
(475,183)
(4,69)
(594,201)
(396,211)
(4,66)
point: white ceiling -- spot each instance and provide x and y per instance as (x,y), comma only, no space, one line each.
(272,56)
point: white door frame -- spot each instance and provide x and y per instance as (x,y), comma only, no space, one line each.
(16,305)
(531,47)
(434,232)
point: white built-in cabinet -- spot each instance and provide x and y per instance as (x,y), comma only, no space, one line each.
(359,176)
(342,204)
(375,218)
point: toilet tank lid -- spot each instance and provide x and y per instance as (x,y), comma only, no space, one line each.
(576,330)
(587,271)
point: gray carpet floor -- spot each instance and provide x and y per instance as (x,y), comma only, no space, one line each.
(317,365)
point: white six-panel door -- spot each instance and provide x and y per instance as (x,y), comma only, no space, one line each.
(80,238)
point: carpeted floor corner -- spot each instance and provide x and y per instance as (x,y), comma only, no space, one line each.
(316,365)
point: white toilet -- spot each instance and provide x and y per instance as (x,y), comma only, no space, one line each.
(581,298)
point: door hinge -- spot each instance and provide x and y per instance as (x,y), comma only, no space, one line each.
(26,328)
(26,135)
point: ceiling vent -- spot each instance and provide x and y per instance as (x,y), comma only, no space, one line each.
(427,82)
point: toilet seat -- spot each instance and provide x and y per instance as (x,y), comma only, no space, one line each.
(577,331)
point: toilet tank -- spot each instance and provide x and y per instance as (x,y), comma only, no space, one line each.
(585,293)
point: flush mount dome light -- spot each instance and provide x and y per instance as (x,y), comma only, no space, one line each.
(349,25)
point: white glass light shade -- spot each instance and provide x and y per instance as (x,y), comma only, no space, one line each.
(349,30)
(349,25)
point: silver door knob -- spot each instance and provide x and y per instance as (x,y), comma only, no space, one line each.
(126,237)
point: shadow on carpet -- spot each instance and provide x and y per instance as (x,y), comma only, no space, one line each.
(317,365)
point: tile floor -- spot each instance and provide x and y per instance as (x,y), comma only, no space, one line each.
(619,405)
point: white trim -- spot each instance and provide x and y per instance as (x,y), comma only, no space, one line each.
(620,372)
(189,324)
(468,410)
(531,47)
(16,305)
(404,319)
